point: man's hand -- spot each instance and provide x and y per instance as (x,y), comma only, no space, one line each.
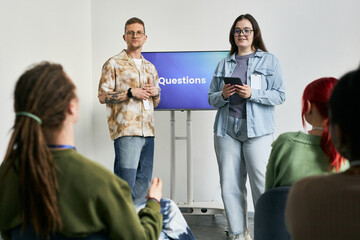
(140,93)
(148,87)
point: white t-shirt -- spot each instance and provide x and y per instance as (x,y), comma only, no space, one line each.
(138,63)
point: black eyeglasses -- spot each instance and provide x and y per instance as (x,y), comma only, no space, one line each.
(245,31)
(136,34)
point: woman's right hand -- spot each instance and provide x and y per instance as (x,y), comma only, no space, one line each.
(155,190)
(227,91)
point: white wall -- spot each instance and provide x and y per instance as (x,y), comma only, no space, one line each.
(37,30)
(311,39)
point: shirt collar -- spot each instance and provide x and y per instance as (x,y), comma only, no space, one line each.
(258,53)
(126,56)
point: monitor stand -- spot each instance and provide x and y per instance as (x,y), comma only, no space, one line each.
(190,207)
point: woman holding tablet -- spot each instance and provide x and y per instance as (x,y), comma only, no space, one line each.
(245,121)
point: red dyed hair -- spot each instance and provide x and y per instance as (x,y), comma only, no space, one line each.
(318,92)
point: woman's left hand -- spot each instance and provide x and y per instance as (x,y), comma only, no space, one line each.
(243,91)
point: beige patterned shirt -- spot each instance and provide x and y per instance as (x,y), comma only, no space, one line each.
(128,118)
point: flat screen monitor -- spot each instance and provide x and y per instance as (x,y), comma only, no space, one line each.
(185,77)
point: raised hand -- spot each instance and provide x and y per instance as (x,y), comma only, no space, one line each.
(151,89)
(155,190)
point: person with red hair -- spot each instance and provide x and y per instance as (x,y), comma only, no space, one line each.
(296,155)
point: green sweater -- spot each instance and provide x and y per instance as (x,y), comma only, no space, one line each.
(91,199)
(295,155)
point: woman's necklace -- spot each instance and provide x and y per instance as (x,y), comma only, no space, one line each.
(61,146)
(317,128)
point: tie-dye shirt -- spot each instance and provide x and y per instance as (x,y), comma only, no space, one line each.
(128,118)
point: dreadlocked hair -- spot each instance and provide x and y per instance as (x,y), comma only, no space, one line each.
(45,91)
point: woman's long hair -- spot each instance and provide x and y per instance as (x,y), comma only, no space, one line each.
(257,43)
(318,93)
(45,91)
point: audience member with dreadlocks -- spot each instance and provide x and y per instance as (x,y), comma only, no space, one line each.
(48,186)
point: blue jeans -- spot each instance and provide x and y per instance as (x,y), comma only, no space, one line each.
(237,158)
(134,157)
(175,226)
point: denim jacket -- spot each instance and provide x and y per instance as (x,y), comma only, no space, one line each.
(260,107)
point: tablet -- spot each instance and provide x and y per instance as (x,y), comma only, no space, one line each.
(233,80)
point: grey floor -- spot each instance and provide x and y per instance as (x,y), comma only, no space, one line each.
(211,227)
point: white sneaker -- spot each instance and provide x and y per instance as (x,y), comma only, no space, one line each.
(236,237)
(241,236)
(247,236)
